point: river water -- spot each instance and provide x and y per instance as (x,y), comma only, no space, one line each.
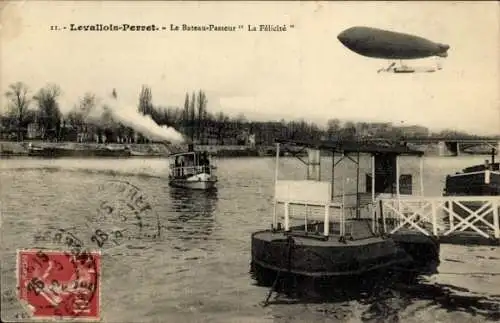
(196,270)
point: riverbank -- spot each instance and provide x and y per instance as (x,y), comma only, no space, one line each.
(70,149)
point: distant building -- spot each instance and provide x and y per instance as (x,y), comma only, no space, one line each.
(415,131)
(33,131)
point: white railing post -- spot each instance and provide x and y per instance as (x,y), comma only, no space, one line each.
(342,214)
(384,216)
(305,218)
(373,216)
(374,206)
(277,164)
(496,224)
(434,218)
(397,177)
(451,217)
(287,216)
(421,177)
(326,228)
(275,216)
(397,184)
(373,178)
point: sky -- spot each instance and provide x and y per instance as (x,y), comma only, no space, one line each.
(303,73)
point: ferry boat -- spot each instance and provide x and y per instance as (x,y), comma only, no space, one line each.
(192,170)
(340,235)
(475,180)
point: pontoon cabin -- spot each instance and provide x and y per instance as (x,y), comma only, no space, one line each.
(329,224)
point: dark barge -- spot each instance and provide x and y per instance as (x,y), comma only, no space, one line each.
(347,237)
(479,181)
(62,152)
(475,180)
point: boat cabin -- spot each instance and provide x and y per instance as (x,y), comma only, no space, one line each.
(190,163)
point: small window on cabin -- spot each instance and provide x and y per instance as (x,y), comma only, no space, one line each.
(405,184)
(188,160)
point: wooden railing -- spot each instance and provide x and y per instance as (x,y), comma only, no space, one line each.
(440,216)
(190,170)
(313,199)
(309,213)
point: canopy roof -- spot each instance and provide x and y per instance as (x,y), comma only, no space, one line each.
(354,146)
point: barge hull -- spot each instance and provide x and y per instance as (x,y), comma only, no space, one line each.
(316,258)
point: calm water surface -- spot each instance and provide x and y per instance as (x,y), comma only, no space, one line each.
(197,270)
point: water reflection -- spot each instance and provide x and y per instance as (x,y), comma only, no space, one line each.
(453,299)
(193,213)
(386,296)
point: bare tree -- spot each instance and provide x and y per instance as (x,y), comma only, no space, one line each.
(202,109)
(192,115)
(83,114)
(333,127)
(146,101)
(185,112)
(75,117)
(49,113)
(87,104)
(19,104)
(222,123)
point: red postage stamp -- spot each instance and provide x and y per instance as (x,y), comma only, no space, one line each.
(60,284)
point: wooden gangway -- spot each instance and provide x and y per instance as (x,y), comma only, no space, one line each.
(450,219)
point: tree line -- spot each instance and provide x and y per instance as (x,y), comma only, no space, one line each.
(193,119)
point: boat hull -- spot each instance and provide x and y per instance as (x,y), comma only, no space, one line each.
(324,259)
(197,182)
(477,184)
(340,288)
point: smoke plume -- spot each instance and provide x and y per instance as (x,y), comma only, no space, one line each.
(129,116)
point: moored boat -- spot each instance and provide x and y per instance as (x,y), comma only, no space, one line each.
(52,151)
(340,240)
(475,180)
(192,170)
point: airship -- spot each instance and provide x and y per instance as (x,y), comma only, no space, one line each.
(385,44)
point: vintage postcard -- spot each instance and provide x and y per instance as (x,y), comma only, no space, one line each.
(239,161)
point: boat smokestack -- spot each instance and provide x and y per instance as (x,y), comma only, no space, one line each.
(487,164)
